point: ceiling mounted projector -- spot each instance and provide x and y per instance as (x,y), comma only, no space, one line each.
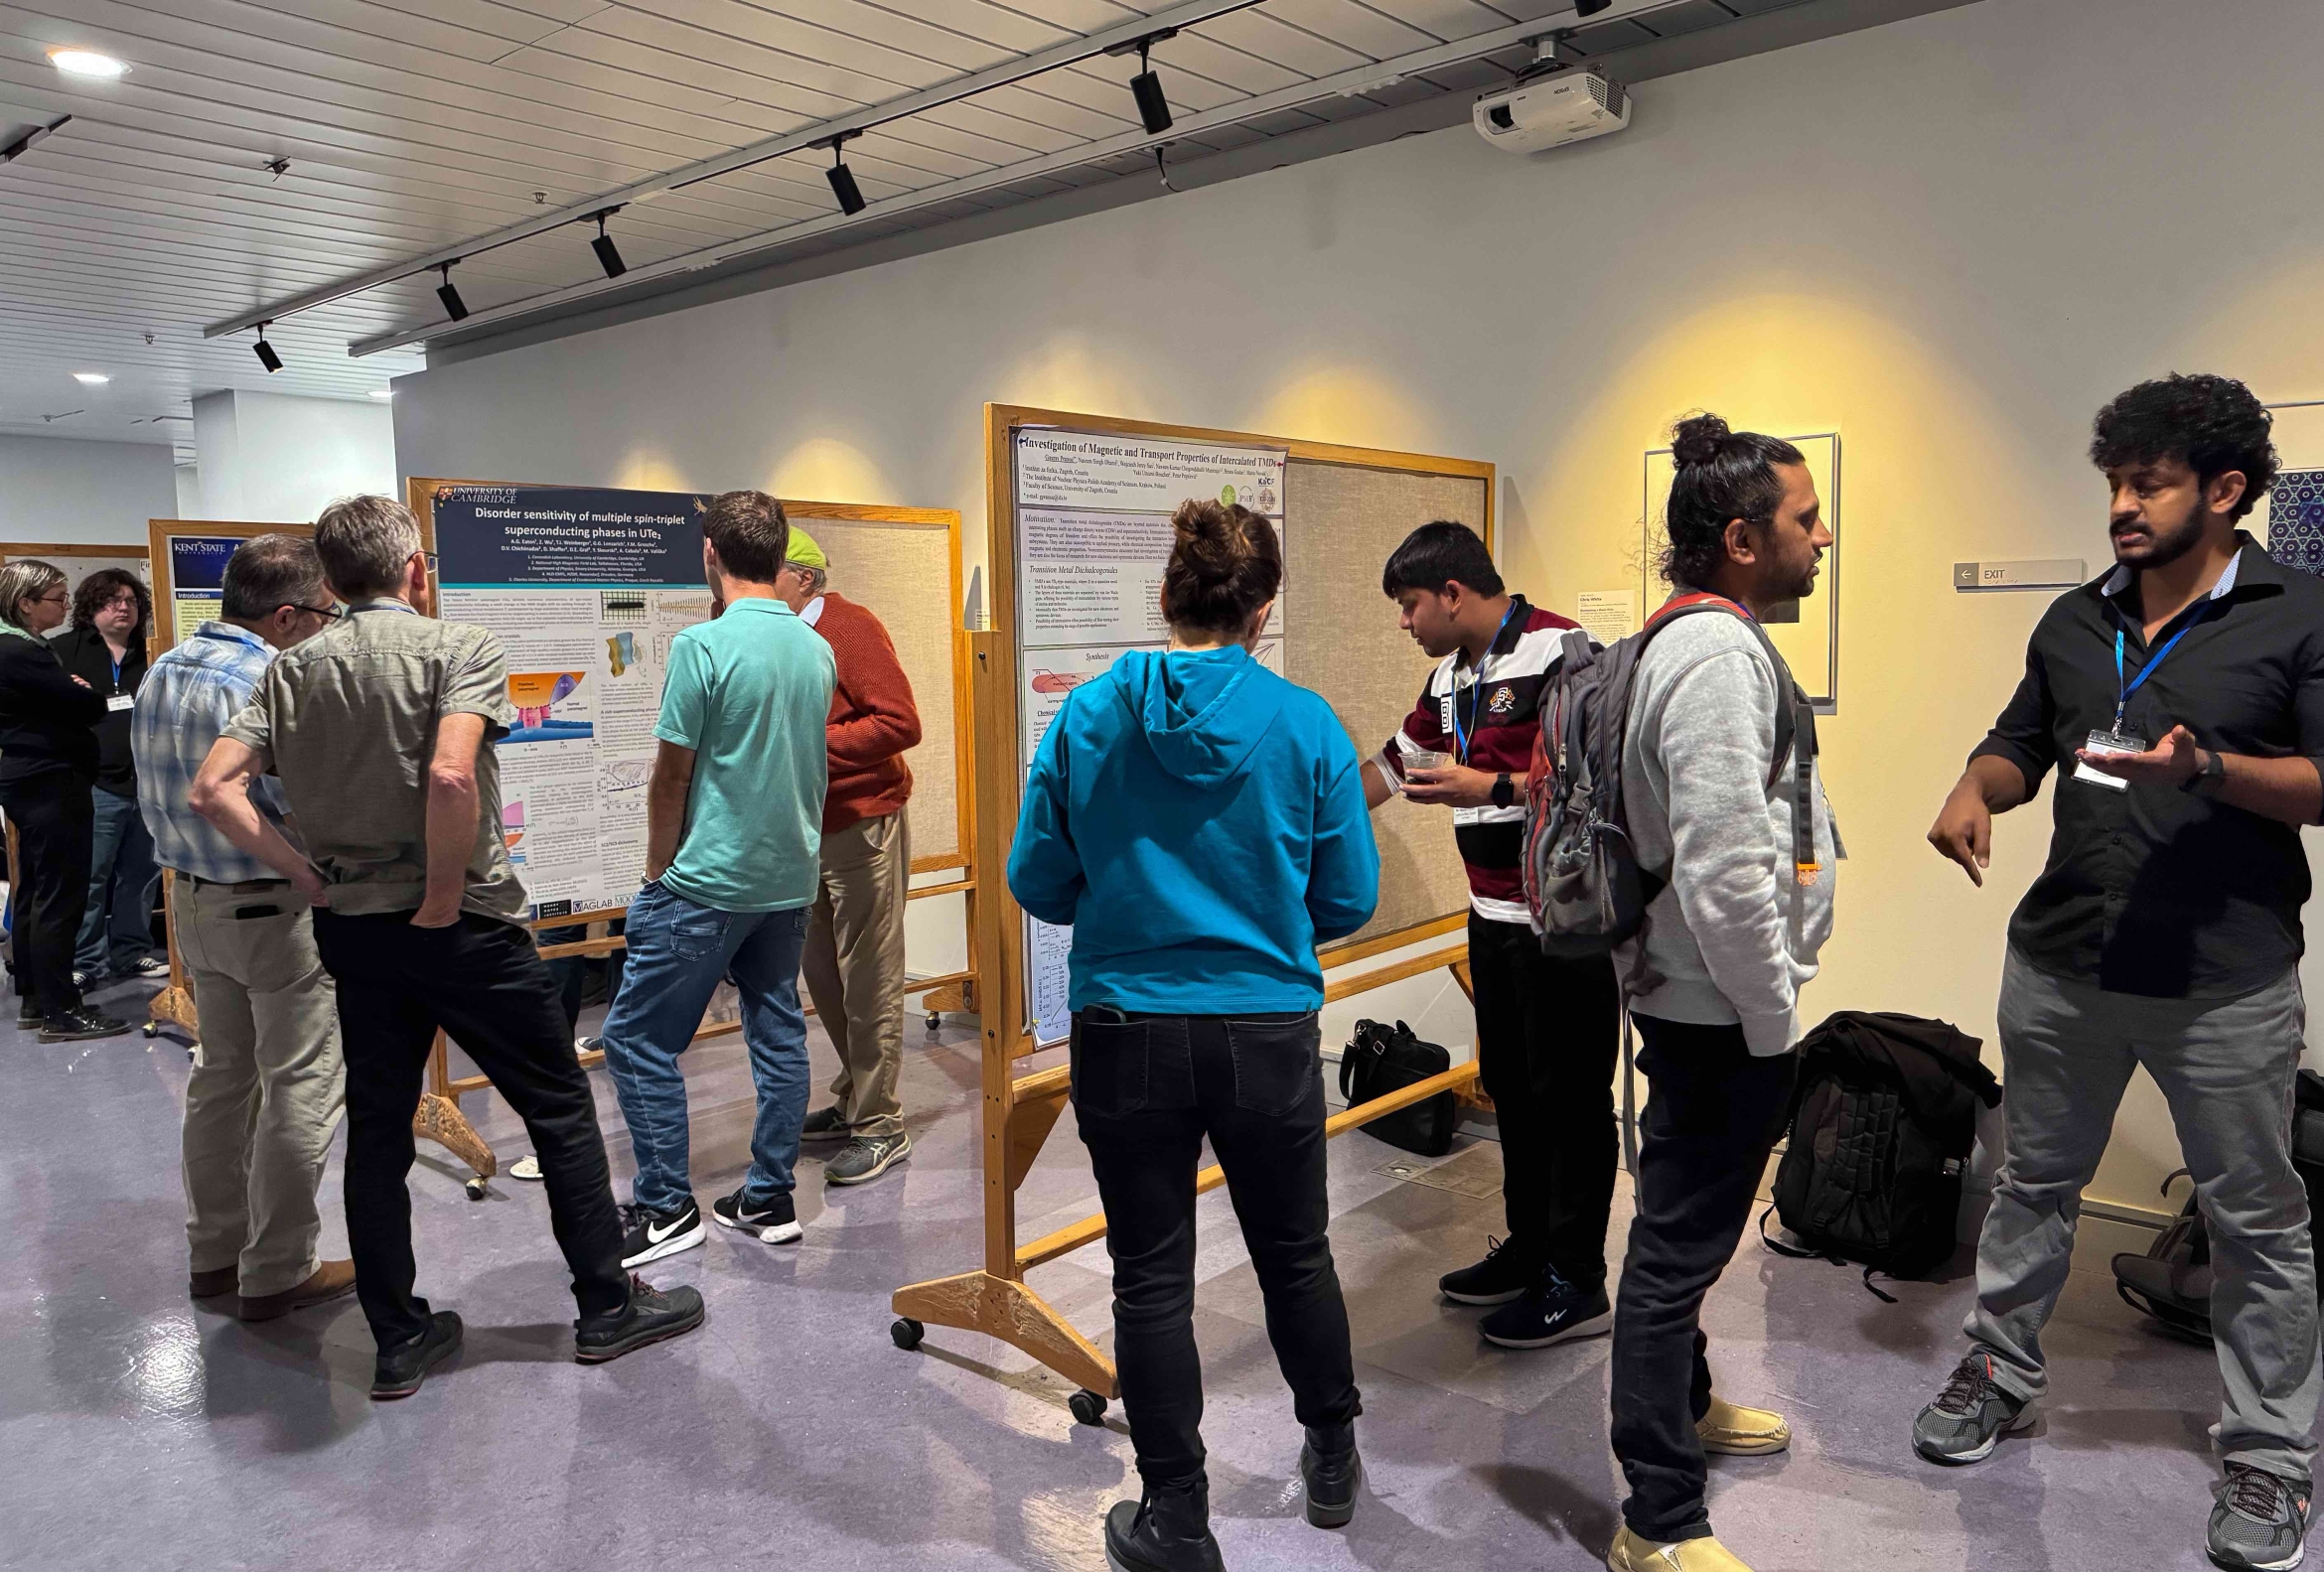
(1550,112)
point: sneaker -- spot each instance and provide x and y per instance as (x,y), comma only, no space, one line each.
(1495,1280)
(1738,1432)
(588,1044)
(651,1315)
(1552,1310)
(775,1219)
(150,967)
(81,979)
(401,1370)
(2260,1521)
(1167,1532)
(649,1235)
(867,1156)
(1331,1470)
(1630,1553)
(1969,1416)
(328,1280)
(79,1026)
(825,1124)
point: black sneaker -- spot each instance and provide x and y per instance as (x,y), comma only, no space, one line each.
(825,1124)
(866,1158)
(79,1026)
(649,1235)
(1495,1280)
(401,1370)
(149,966)
(1330,1469)
(1167,1532)
(775,1219)
(1969,1416)
(1551,1311)
(650,1316)
(2260,1523)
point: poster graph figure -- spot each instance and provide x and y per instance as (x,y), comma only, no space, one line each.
(619,607)
(621,787)
(621,653)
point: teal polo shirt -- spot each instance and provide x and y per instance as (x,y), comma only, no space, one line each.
(749,692)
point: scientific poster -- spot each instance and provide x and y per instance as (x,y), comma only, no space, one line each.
(586,589)
(197,579)
(1093,538)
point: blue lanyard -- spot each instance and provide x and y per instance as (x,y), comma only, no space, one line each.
(1476,691)
(2122,689)
(116,676)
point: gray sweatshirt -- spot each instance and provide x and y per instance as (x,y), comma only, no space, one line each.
(1734,934)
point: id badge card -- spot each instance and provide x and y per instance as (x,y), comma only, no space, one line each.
(120,701)
(2109,743)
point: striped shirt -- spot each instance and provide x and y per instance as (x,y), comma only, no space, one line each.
(1497,706)
(182,706)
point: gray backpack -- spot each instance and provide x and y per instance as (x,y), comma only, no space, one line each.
(1584,887)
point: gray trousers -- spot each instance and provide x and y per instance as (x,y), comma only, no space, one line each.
(2226,1068)
(854,967)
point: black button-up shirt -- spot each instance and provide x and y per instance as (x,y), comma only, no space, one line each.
(2154,891)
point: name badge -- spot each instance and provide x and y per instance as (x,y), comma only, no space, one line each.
(120,701)
(2109,743)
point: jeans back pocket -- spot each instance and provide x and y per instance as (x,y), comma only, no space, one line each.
(1278,1061)
(1109,1052)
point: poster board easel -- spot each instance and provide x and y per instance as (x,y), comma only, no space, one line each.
(1018,1112)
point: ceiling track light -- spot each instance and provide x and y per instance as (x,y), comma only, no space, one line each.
(1590,7)
(449,294)
(609,255)
(1146,87)
(842,178)
(265,352)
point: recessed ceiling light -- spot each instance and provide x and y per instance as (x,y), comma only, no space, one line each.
(86,63)
(382,393)
(91,378)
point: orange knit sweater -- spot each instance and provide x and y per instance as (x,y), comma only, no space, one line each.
(872,717)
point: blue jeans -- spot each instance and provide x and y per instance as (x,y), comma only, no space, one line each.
(116,930)
(677,952)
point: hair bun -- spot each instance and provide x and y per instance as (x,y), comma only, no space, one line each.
(1211,540)
(1699,439)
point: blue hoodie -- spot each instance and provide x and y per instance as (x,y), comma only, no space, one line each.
(1199,822)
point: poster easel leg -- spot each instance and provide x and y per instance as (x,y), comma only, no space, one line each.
(439,1119)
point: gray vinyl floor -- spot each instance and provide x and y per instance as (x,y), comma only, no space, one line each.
(140,1431)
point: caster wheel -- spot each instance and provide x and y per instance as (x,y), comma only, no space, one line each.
(152,1029)
(936,1021)
(907,1334)
(475,1189)
(1088,1408)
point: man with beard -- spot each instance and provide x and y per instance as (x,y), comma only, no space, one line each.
(2181,699)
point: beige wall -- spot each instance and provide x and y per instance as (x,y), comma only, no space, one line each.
(1948,239)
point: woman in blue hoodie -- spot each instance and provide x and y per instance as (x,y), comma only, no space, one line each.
(1200,823)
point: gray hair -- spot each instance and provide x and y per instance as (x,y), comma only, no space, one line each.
(25,579)
(812,580)
(269,572)
(363,543)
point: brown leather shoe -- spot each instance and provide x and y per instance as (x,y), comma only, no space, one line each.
(212,1285)
(331,1280)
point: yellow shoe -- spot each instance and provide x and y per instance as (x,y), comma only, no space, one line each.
(1742,1432)
(1630,1553)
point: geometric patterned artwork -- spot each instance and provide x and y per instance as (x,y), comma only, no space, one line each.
(2296,520)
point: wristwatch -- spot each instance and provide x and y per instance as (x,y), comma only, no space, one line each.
(2208,775)
(1504,790)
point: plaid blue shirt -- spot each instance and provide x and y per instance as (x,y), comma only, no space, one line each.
(186,701)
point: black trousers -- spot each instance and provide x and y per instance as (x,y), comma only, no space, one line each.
(56,826)
(1547,1035)
(1146,1089)
(1713,1115)
(482,981)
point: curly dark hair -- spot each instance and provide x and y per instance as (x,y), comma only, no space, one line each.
(2211,424)
(100,587)
(1723,475)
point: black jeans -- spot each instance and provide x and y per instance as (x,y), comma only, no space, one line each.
(1146,1089)
(482,981)
(1713,1115)
(1548,1032)
(55,827)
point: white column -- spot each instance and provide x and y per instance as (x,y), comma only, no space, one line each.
(273,458)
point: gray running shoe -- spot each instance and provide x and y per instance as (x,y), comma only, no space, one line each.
(825,1124)
(2260,1523)
(1969,1417)
(866,1157)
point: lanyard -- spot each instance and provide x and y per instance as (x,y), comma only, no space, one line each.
(1475,692)
(2122,689)
(116,676)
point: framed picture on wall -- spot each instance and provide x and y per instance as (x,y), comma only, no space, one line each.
(1805,631)
(2290,518)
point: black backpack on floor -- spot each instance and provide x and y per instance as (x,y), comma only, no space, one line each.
(1883,1120)
(1379,1060)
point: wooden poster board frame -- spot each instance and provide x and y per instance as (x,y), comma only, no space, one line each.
(950,991)
(1018,1112)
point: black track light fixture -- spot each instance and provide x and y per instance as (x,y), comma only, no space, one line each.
(265,352)
(1146,87)
(609,255)
(842,178)
(449,294)
(1590,7)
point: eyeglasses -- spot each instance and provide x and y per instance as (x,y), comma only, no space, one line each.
(328,614)
(57,596)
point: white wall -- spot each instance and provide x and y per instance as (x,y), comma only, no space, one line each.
(271,457)
(66,492)
(1949,238)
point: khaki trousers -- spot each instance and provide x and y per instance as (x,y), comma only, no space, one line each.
(855,966)
(268,1087)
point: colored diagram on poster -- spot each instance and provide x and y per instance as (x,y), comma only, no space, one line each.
(552,706)
(621,787)
(1048,676)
